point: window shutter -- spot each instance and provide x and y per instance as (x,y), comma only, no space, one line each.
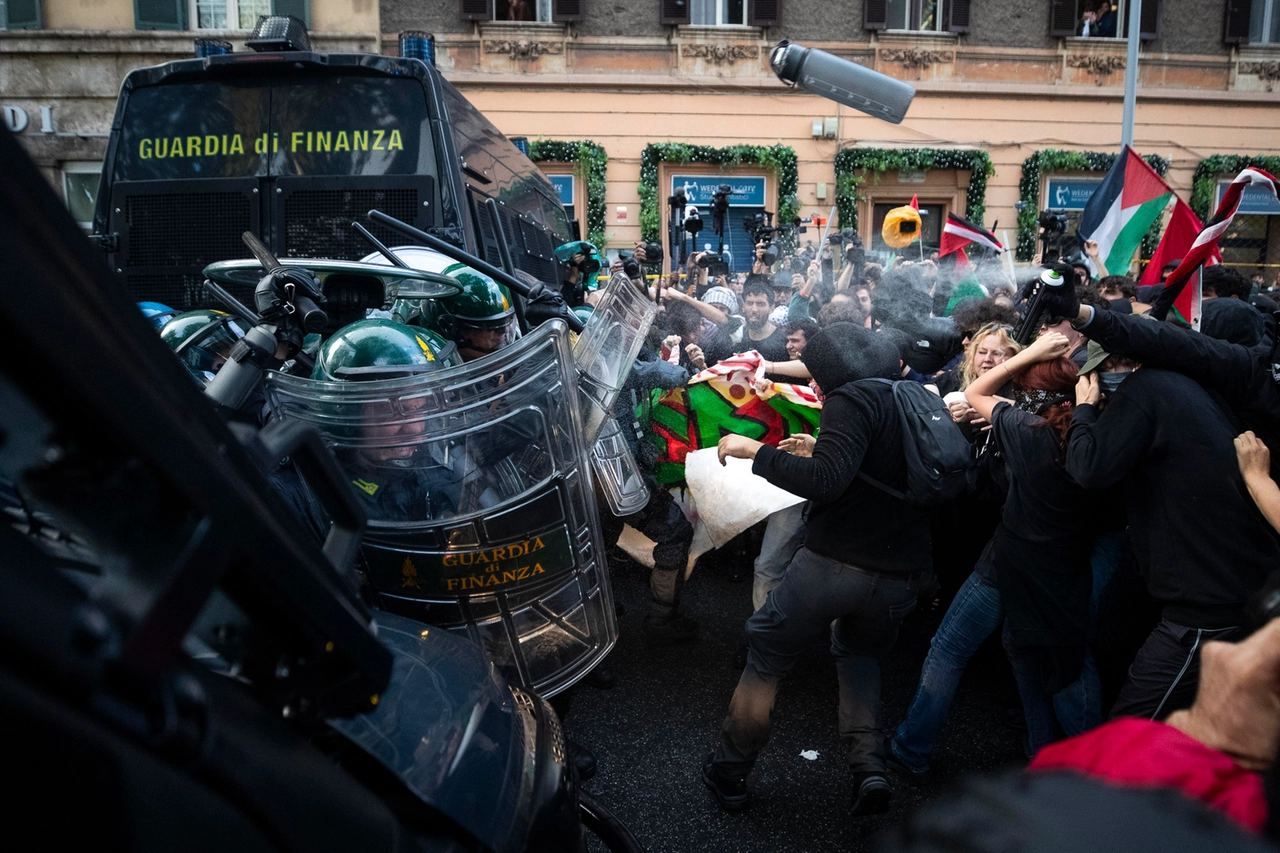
(300,9)
(1149,22)
(160,14)
(25,15)
(1236,28)
(567,10)
(958,15)
(1062,17)
(476,10)
(764,13)
(875,14)
(675,12)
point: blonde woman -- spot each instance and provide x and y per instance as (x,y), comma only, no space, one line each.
(989,347)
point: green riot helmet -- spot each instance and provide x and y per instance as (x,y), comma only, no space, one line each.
(202,340)
(481,319)
(382,349)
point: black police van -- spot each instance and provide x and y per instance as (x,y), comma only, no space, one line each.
(294,146)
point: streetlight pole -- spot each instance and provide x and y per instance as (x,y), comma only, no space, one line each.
(1134,19)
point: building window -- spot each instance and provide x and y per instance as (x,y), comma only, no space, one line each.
(1101,19)
(522,10)
(918,15)
(1264,22)
(228,14)
(20,15)
(80,188)
(718,13)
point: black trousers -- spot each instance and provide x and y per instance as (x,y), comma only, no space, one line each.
(1166,672)
(662,521)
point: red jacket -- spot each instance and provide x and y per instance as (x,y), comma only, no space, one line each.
(1144,754)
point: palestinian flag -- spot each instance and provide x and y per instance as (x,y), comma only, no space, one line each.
(958,233)
(723,400)
(1130,198)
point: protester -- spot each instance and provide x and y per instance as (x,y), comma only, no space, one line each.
(762,336)
(865,554)
(1172,445)
(1034,571)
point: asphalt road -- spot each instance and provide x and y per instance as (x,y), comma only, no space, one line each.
(651,732)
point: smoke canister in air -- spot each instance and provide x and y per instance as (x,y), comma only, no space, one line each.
(416,44)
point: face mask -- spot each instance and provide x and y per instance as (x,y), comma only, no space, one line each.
(1109,380)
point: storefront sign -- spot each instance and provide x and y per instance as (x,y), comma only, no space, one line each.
(1069,195)
(911,176)
(564,188)
(1253,200)
(17,120)
(698,189)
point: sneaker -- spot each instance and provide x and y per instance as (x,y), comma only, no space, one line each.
(731,794)
(873,794)
(669,631)
(914,778)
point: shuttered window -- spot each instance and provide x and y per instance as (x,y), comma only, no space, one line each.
(567,10)
(764,13)
(21,14)
(1235,29)
(1062,17)
(674,12)
(300,9)
(958,12)
(875,14)
(476,10)
(159,14)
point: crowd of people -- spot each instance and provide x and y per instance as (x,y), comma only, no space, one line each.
(1118,519)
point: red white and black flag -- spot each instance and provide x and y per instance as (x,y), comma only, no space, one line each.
(958,233)
(1205,246)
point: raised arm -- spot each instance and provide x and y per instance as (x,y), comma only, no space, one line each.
(981,393)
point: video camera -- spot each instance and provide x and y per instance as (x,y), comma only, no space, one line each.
(1054,224)
(854,254)
(713,263)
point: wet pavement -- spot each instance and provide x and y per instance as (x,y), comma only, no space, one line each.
(652,731)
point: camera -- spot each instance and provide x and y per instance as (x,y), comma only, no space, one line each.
(630,266)
(692,221)
(1052,221)
(760,227)
(1054,234)
(713,264)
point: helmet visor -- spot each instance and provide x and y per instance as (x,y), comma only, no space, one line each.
(206,352)
(478,338)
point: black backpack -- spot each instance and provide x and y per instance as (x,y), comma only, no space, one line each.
(938,456)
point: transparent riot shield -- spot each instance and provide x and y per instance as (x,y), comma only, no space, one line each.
(607,348)
(616,471)
(481,513)
(603,354)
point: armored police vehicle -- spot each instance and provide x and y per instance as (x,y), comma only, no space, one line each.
(294,145)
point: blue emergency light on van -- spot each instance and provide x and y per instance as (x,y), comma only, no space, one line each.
(416,44)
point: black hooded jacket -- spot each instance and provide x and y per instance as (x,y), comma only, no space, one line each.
(850,520)
(1244,376)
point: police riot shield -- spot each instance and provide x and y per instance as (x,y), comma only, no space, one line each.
(607,348)
(604,354)
(481,513)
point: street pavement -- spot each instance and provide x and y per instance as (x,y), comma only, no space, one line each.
(651,732)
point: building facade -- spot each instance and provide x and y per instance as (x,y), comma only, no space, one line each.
(1016,110)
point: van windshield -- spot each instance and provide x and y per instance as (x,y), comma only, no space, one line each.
(325,126)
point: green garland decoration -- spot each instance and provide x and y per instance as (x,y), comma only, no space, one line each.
(1055,160)
(591,163)
(779,159)
(875,161)
(1211,169)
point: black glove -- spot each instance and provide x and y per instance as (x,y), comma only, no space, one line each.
(1059,292)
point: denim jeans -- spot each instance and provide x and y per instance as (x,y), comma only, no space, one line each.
(783,536)
(866,608)
(975,613)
